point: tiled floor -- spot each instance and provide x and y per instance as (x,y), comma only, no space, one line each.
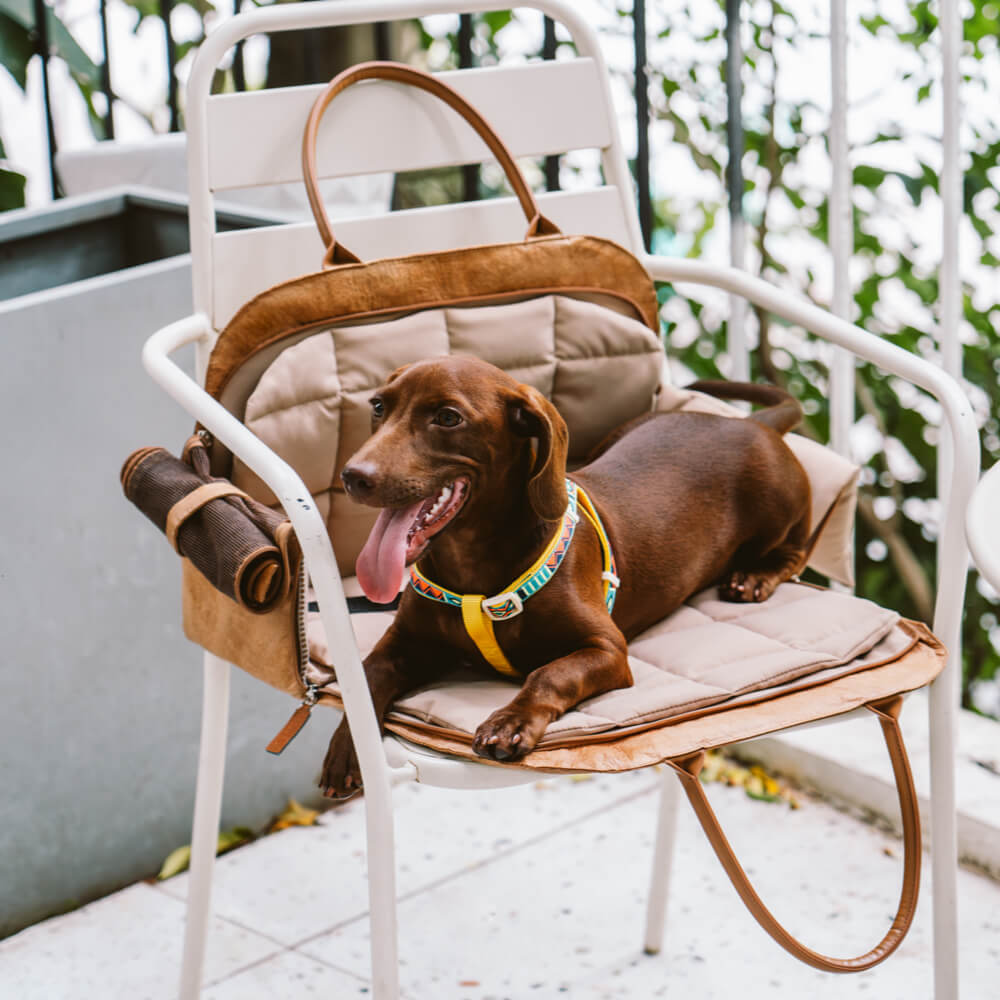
(534,892)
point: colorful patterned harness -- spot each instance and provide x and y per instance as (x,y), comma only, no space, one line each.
(480,612)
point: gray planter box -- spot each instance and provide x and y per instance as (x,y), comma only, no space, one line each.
(100,694)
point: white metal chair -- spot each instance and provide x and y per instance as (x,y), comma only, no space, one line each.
(570,108)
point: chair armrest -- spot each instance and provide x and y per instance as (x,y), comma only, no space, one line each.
(963,435)
(310,530)
(982,526)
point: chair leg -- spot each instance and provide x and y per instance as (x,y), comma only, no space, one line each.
(663,858)
(944,837)
(205,832)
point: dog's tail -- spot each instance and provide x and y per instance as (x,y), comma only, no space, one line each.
(782,412)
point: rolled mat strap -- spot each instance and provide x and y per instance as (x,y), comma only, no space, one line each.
(244,549)
(192,503)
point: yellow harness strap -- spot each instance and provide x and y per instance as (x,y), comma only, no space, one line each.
(479,625)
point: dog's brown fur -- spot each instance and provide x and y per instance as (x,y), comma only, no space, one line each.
(688,500)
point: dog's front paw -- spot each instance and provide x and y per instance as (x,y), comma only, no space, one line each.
(741,587)
(341,775)
(508,733)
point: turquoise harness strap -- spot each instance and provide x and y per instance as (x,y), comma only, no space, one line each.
(509,603)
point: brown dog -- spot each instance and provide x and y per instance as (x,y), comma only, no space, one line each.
(469,467)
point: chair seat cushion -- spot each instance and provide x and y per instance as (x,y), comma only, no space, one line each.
(711,673)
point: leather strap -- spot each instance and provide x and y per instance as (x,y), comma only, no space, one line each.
(888,713)
(192,503)
(336,254)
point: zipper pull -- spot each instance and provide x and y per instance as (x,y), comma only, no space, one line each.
(294,725)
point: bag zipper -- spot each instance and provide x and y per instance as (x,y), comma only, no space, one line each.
(301,715)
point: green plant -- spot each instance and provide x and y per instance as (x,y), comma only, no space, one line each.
(17,47)
(896,285)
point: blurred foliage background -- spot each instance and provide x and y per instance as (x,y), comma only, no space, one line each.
(895,151)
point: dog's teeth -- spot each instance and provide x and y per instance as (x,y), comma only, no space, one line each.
(442,498)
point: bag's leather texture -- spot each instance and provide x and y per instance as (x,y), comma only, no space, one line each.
(583,266)
(245,550)
(264,645)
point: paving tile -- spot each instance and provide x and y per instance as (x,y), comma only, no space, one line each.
(127,945)
(289,976)
(536,923)
(302,881)
(528,894)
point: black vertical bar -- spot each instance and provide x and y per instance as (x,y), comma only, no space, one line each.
(42,48)
(166,6)
(239,64)
(383,45)
(642,123)
(470,172)
(734,109)
(109,118)
(549,52)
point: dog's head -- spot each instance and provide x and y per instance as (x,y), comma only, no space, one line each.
(450,435)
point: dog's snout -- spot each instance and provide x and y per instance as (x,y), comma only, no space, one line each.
(359,479)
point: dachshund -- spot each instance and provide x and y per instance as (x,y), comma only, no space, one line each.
(468,468)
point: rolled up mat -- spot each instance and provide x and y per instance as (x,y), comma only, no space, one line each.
(241,547)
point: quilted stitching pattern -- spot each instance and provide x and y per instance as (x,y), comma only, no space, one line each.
(311,404)
(707,652)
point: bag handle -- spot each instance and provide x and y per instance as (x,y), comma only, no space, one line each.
(888,714)
(337,254)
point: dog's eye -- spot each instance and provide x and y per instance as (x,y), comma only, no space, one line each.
(447,417)
(378,408)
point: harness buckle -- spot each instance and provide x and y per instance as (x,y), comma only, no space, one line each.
(503,606)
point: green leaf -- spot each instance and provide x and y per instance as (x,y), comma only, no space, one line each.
(15,47)
(66,47)
(63,44)
(873,24)
(11,189)
(497,19)
(21,11)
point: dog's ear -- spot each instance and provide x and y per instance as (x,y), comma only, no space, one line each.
(532,415)
(395,375)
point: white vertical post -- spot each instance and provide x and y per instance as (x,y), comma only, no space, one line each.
(841,224)
(205,829)
(943,702)
(736,329)
(663,859)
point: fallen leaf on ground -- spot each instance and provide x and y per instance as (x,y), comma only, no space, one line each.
(294,815)
(754,780)
(179,859)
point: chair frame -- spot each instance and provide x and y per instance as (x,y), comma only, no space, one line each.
(388,761)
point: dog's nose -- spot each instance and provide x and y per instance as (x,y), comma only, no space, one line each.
(359,480)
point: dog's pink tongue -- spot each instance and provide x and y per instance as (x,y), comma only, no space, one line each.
(382,562)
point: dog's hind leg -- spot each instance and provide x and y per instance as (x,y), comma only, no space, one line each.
(755,579)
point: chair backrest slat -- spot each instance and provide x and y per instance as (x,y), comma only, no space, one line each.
(536,108)
(248,261)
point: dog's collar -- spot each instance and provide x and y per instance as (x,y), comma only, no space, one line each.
(480,612)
